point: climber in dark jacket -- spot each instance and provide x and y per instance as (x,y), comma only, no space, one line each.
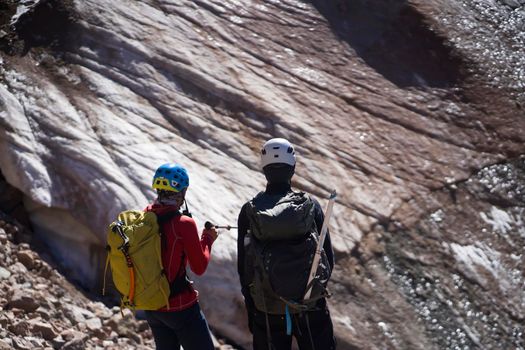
(313,328)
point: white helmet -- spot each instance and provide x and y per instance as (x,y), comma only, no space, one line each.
(277,151)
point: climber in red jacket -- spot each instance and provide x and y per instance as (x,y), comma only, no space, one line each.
(182,322)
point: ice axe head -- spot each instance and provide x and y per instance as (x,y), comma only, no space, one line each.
(117,228)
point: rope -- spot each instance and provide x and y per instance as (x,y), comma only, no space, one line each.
(105,273)
(297,324)
(309,331)
(268,333)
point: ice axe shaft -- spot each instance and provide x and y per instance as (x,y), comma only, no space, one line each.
(124,249)
(317,256)
(208,225)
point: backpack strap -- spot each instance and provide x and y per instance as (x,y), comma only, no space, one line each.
(159,256)
(294,305)
(166,217)
(181,281)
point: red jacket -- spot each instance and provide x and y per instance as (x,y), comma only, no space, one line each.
(181,245)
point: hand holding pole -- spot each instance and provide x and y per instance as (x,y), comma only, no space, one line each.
(208,225)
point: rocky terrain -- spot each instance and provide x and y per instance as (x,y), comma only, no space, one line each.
(412,110)
(40,309)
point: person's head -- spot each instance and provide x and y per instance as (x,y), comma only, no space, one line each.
(278,160)
(171,182)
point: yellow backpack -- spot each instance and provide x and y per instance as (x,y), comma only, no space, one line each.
(134,254)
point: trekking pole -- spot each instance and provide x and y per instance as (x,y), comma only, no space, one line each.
(208,225)
(124,248)
(317,257)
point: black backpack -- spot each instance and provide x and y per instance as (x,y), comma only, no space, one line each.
(283,239)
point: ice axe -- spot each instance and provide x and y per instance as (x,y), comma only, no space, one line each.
(117,228)
(317,256)
(124,248)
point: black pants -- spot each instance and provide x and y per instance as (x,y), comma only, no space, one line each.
(313,330)
(175,328)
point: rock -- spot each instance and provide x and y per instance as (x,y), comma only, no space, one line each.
(45,329)
(59,292)
(21,328)
(24,300)
(100,310)
(52,301)
(93,324)
(112,334)
(18,268)
(75,344)
(3,237)
(44,269)
(24,247)
(22,344)
(7,256)
(62,324)
(3,321)
(36,342)
(70,334)
(27,258)
(58,342)
(143,326)
(5,346)
(107,343)
(76,314)
(10,228)
(41,286)
(135,337)
(44,312)
(513,3)
(123,342)
(81,326)
(118,324)
(9,315)
(19,313)
(101,333)
(4,273)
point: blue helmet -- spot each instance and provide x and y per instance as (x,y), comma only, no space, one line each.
(171,177)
